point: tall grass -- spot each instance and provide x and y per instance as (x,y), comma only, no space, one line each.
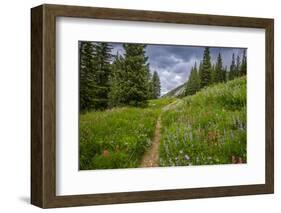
(206,128)
(117,138)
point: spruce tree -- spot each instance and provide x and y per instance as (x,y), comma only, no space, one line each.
(219,72)
(205,77)
(200,72)
(232,68)
(156,85)
(243,70)
(193,83)
(150,87)
(86,76)
(130,77)
(237,66)
(224,74)
(101,59)
(117,82)
(213,74)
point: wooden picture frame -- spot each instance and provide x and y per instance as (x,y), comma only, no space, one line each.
(43,105)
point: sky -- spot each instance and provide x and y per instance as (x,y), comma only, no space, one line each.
(173,63)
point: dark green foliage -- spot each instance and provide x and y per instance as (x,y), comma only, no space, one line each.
(102,57)
(117,85)
(206,73)
(155,86)
(243,70)
(213,74)
(237,66)
(219,75)
(94,75)
(232,74)
(86,75)
(224,74)
(193,83)
(130,75)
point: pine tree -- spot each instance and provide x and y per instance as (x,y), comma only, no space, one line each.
(224,74)
(237,66)
(156,86)
(213,74)
(232,68)
(200,68)
(130,77)
(150,87)
(243,70)
(101,59)
(193,83)
(117,82)
(219,72)
(86,76)
(94,74)
(205,77)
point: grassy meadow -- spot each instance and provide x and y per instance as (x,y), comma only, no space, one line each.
(206,128)
(118,137)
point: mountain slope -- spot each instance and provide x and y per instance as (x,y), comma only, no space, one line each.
(176,92)
(207,128)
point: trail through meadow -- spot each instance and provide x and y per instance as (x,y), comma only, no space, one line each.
(151,156)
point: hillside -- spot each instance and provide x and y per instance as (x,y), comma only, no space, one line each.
(206,128)
(176,92)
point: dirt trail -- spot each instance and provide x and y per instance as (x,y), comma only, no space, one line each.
(171,105)
(151,156)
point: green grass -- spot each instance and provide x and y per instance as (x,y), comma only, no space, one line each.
(206,128)
(117,138)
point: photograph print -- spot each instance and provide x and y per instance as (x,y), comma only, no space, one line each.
(149,105)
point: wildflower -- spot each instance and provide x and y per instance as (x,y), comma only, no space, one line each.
(181,151)
(105,153)
(187,157)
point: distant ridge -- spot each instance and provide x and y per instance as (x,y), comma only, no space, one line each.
(176,92)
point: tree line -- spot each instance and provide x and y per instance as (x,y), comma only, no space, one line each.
(207,73)
(108,80)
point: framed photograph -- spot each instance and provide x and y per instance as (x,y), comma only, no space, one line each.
(136,106)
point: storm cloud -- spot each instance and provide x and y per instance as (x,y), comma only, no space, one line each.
(173,63)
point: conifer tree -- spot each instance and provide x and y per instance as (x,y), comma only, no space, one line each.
(224,73)
(219,72)
(101,59)
(94,74)
(117,82)
(156,86)
(86,76)
(193,83)
(130,77)
(200,72)
(237,66)
(243,70)
(232,68)
(213,74)
(150,86)
(205,77)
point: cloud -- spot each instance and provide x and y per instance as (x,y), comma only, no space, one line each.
(173,62)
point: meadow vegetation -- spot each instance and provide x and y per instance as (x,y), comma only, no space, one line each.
(118,137)
(206,128)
